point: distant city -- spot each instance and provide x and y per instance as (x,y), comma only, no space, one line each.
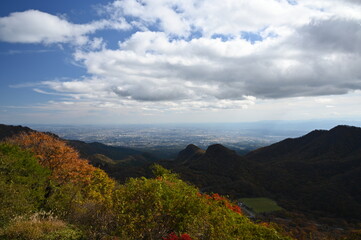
(167,140)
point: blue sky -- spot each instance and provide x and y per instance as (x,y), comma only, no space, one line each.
(143,61)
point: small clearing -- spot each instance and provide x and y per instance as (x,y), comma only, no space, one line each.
(261,205)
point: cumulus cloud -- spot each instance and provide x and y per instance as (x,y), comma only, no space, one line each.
(331,35)
(210,54)
(150,67)
(34,26)
(210,17)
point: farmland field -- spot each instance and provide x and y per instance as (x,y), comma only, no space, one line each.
(261,205)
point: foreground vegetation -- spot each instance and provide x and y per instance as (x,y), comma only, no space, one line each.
(48,192)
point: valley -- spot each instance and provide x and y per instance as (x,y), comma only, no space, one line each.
(167,140)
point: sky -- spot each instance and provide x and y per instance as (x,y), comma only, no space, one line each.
(170,61)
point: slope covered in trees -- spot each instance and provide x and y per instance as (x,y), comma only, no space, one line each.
(319,173)
(49,192)
(119,162)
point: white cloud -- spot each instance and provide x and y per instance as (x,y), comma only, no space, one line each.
(211,16)
(33,26)
(151,67)
(210,54)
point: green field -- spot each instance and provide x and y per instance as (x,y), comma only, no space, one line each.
(261,205)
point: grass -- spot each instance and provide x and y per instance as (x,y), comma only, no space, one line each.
(40,226)
(261,205)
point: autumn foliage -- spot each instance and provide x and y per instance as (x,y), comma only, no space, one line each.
(222,200)
(89,203)
(173,236)
(63,161)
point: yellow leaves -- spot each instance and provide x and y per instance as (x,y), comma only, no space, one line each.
(100,188)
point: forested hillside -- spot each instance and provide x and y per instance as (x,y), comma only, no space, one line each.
(316,176)
(319,172)
(49,192)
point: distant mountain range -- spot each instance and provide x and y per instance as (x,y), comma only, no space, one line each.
(318,174)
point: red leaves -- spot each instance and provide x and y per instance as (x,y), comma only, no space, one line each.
(173,236)
(185,236)
(236,209)
(225,201)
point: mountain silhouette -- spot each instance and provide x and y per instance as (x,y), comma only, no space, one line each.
(320,171)
(7,131)
(216,169)
(189,154)
(339,142)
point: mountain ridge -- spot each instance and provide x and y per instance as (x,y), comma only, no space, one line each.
(315,173)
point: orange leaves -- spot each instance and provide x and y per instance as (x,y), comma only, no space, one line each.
(265,224)
(53,153)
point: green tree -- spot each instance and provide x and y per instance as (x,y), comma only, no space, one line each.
(94,208)
(22,182)
(77,191)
